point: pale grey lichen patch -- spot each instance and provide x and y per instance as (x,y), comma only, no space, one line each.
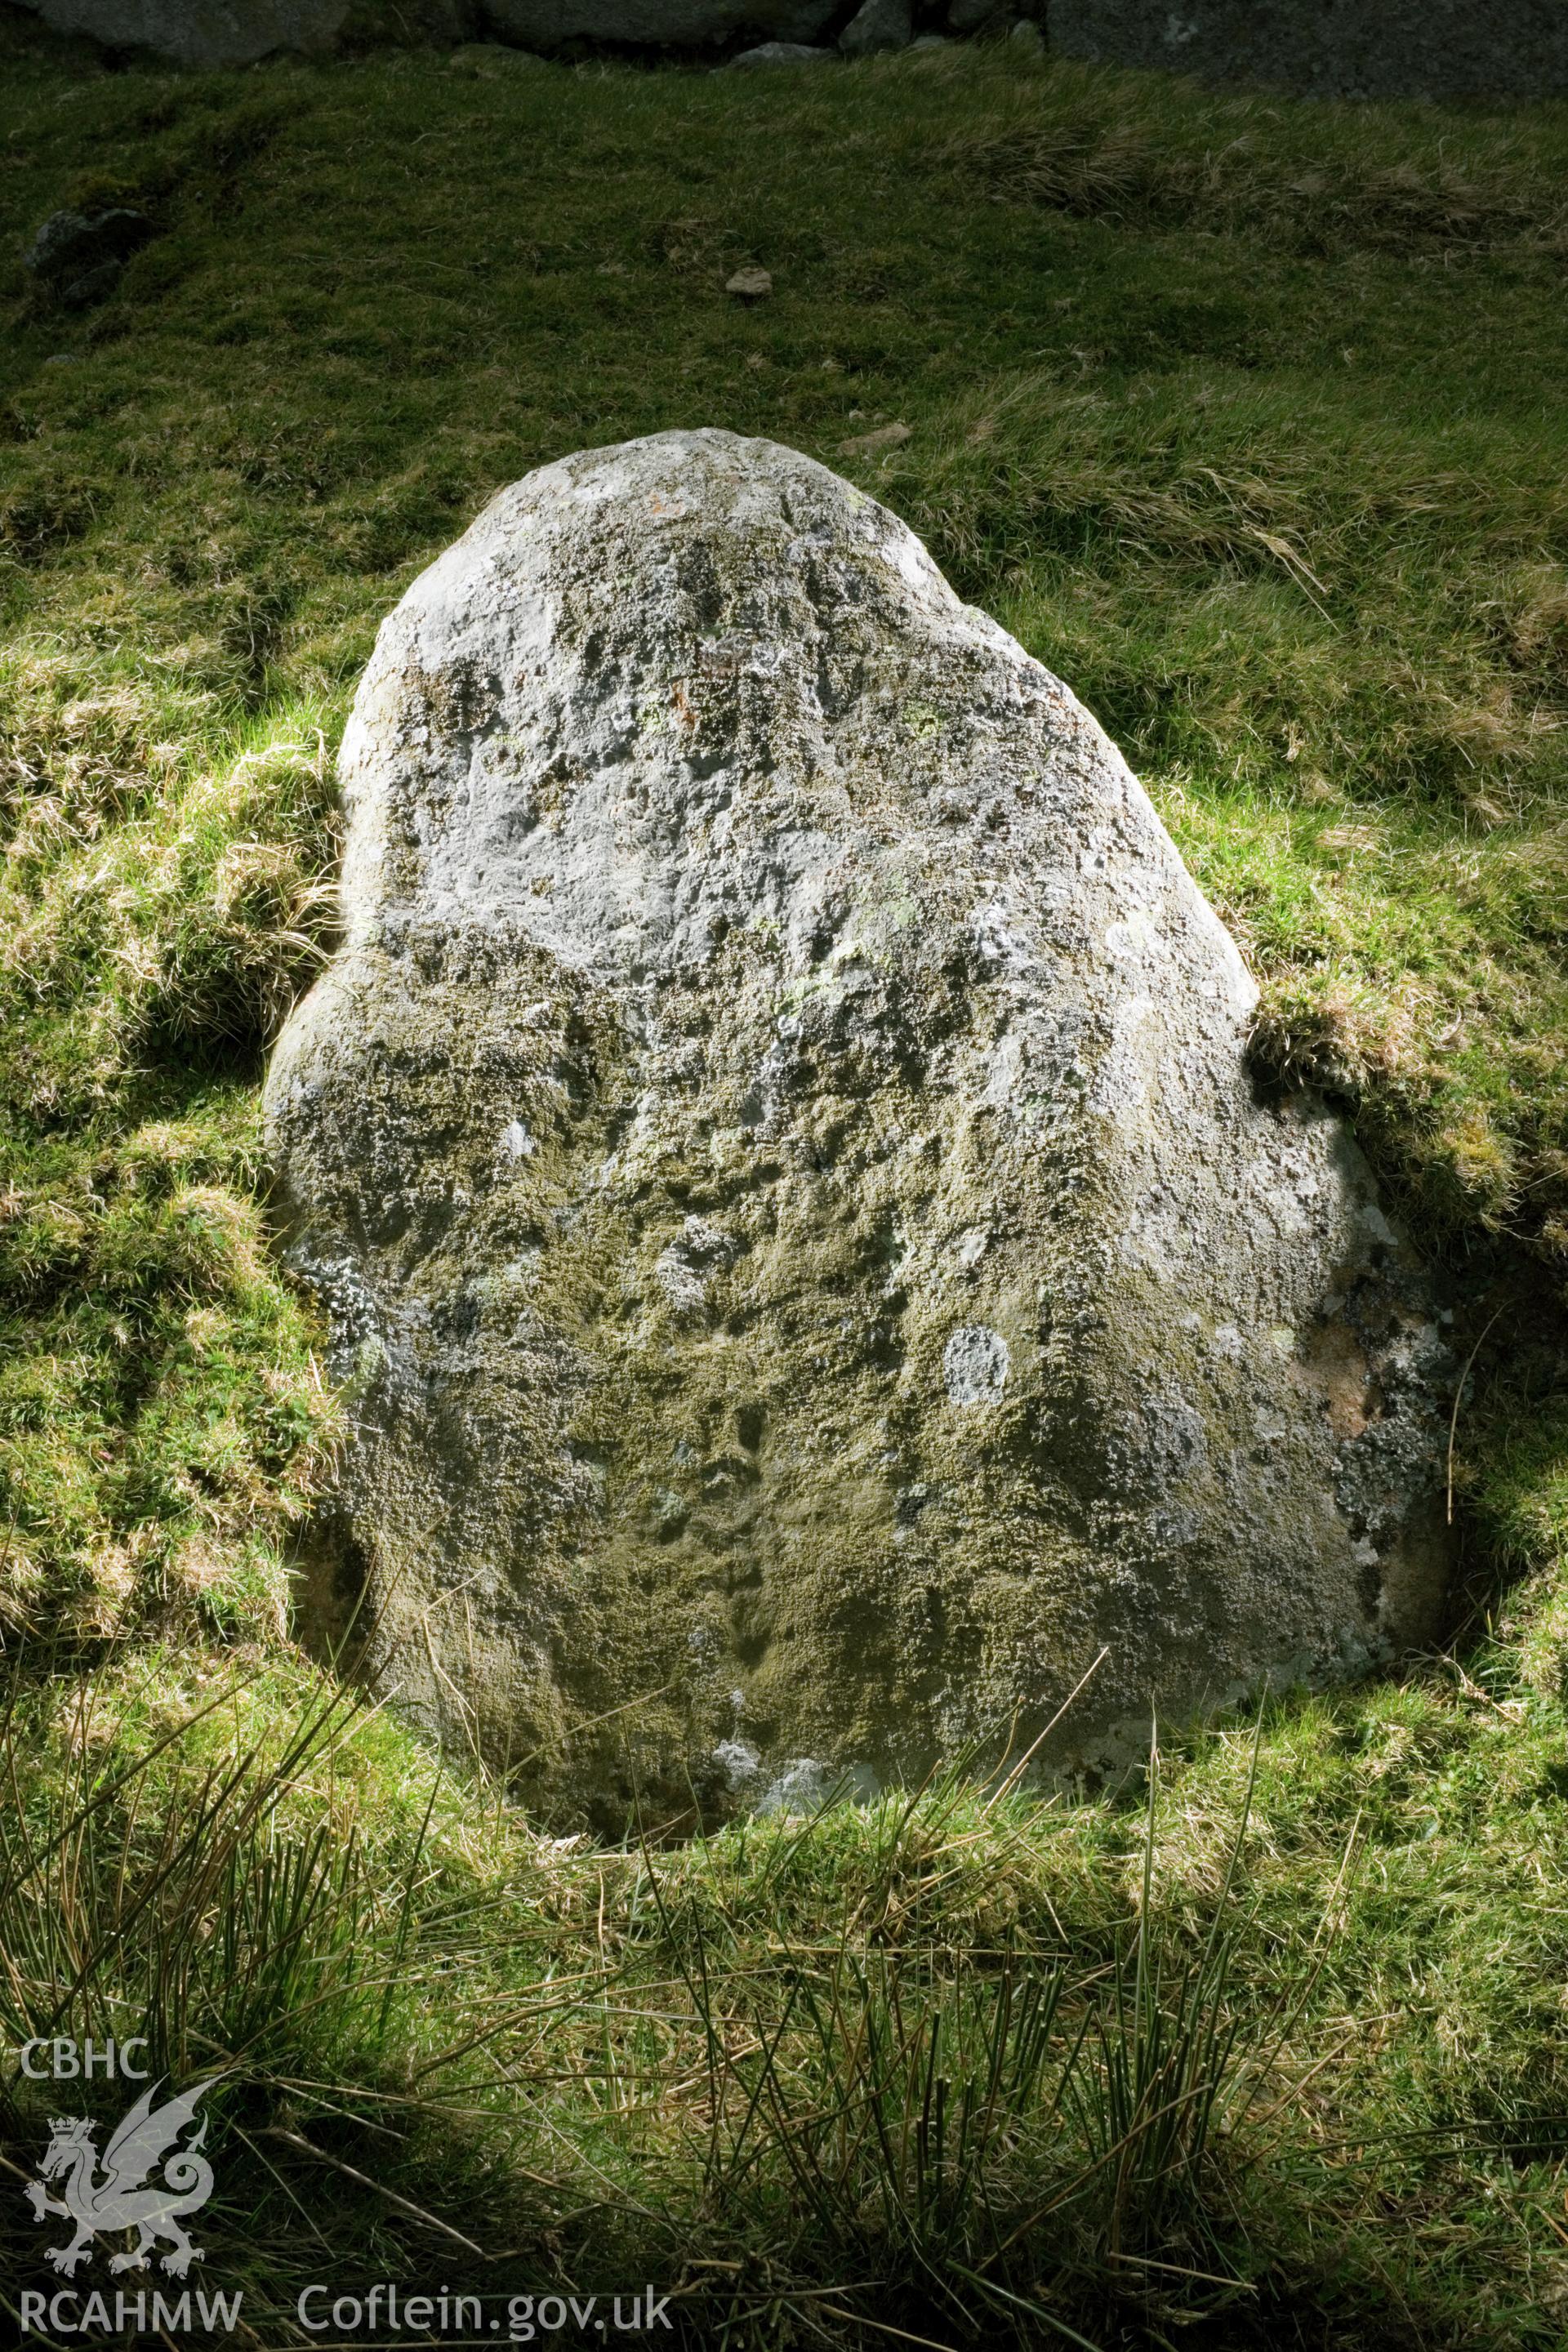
(685,1268)
(806,1785)
(800,1238)
(741,1765)
(975,1365)
(803,1787)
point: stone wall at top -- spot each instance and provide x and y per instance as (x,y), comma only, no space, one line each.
(1499,51)
(1441,49)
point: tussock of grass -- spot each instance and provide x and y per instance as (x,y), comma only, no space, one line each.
(1266,2047)
(1082,145)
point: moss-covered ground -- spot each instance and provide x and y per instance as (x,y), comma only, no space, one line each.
(1245,417)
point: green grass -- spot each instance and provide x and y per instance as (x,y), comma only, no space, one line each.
(1245,417)
(1273,2048)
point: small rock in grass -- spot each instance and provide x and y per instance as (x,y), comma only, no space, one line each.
(866,445)
(750,285)
(76,259)
(1026,40)
(777,53)
(491,59)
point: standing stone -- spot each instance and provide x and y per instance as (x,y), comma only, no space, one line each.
(809,1266)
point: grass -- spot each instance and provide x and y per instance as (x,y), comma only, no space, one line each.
(1268,2046)
(1245,417)
(1242,416)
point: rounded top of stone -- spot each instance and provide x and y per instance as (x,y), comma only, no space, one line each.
(692,636)
(695,482)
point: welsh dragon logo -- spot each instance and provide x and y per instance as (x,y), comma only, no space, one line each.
(121,2196)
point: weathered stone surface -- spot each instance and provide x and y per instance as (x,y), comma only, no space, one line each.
(237,32)
(550,25)
(201,32)
(777,1151)
(1399,48)
(878,24)
(978,16)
